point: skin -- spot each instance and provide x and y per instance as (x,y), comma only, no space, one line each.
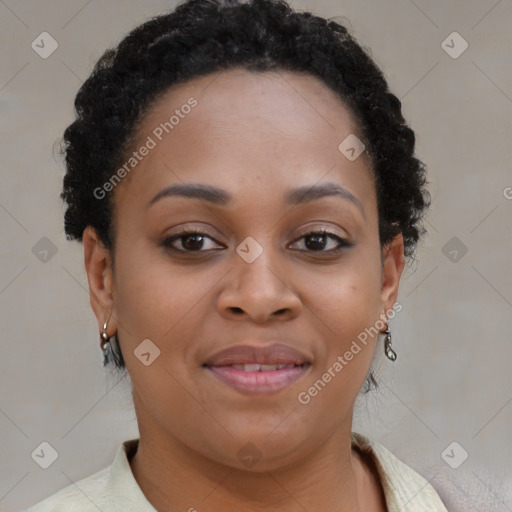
(256,136)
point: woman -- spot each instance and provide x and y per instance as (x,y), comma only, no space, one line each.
(246,191)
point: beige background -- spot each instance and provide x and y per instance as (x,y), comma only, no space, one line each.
(452,380)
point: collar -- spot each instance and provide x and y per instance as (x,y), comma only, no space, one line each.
(404,489)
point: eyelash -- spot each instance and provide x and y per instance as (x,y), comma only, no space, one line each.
(343,244)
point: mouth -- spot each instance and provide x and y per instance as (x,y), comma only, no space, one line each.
(257,368)
(254,378)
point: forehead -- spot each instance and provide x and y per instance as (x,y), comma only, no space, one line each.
(239,127)
(295,103)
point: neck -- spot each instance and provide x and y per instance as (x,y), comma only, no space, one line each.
(332,478)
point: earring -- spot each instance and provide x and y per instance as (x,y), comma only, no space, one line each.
(388,350)
(105,340)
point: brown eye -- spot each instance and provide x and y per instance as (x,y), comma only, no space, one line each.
(317,241)
(189,240)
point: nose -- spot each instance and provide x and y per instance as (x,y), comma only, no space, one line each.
(259,293)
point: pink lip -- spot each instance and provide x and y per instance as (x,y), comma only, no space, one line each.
(262,381)
(268,381)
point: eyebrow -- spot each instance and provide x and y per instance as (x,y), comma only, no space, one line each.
(296,196)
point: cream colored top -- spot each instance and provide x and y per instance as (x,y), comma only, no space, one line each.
(114,488)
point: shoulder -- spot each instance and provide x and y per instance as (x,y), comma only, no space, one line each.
(112,489)
(405,489)
(84,495)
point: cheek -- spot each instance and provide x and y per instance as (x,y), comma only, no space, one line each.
(157,302)
(347,299)
(346,306)
(153,298)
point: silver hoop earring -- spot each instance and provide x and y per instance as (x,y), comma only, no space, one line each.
(388,349)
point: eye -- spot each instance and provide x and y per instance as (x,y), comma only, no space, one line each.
(190,241)
(317,241)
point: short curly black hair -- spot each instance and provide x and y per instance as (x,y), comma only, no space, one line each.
(204,36)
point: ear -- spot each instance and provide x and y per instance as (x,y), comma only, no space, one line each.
(98,265)
(393,261)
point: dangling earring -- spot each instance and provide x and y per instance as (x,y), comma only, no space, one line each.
(388,349)
(111,350)
(105,340)
(105,344)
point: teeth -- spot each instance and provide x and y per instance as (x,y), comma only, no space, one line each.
(251,367)
(261,367)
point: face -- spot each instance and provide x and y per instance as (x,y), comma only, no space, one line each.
(253,263)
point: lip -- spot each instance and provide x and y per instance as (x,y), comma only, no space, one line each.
(275,353)
(260,381)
